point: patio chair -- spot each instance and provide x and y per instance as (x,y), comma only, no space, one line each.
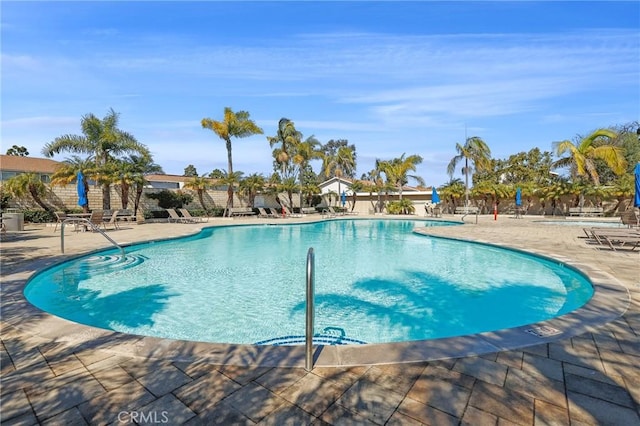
(112,220)
(188,218)
(60,217)
(97,219)
(630,218)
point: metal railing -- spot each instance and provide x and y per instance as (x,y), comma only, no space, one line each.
(308,365)
(86,222)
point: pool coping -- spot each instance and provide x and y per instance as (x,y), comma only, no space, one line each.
(610,300)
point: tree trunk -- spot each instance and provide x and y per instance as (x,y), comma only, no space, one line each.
(136,203)
(230,173)
(106,196)
(201,198)
(36,198)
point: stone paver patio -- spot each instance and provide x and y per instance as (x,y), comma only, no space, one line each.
(56,372)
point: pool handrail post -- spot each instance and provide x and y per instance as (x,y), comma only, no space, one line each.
(308,365)
(87,223)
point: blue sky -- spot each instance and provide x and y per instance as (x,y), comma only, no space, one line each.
(390,77)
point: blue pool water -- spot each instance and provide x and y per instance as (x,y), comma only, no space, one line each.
(375,281)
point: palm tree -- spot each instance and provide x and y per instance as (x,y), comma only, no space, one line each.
(286,142)
(236,125)
(397,171)
(67,173)
(230,180)
(379,185)
(474,151)
(28,183)
(582,156)
(289,186)
(356,186)
(200,185)
(452,190)
(251,186)
(344,162)
(143,165)
(102,140)
(306,151)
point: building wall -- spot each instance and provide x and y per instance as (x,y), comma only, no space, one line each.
(65,198)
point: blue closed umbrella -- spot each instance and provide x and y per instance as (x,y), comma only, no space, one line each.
(518,197)
(636,197)
(343,198)
(82,192)
(435,198)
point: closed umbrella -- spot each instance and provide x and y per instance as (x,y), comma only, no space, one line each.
(435,198)
(518,197)
(82,193)
(343,198)
(636,197)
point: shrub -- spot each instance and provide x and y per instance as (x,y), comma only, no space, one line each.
(170,199)
(404,206)
(38,216)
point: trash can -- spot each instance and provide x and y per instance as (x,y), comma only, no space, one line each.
(13,221)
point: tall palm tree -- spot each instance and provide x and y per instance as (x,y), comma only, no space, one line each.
(286,143)
(306,151)
(28,183)
(397,171)
(343,162)
(474,151)
(236,125)
(582,155)
(200,185)
(103,141)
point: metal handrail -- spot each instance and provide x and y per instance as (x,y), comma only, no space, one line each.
(308,365)
(77,220)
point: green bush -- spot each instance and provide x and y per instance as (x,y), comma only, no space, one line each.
(170,199)
(38,216)
(403,206)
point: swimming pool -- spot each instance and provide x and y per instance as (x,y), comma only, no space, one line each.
(376,281)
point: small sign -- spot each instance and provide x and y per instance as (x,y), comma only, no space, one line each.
(543,331)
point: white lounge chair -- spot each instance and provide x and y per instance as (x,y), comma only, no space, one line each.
(188,218)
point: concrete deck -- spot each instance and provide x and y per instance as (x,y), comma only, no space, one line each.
(57,372)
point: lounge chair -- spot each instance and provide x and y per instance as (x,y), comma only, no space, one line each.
(613,237)
(288,213)
(174,217)
(262,212)
(188,218)
(329,212)
(334,212)
(277,213)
